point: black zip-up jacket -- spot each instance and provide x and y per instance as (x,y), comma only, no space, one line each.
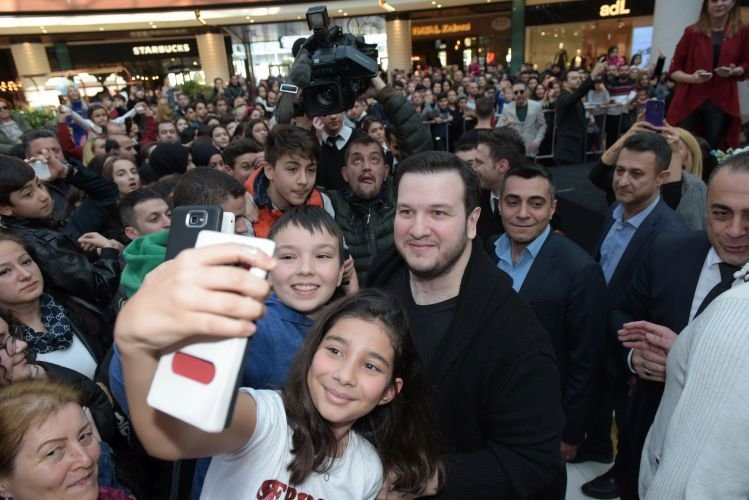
(54,244)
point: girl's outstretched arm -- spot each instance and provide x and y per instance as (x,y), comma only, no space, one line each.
(200,295)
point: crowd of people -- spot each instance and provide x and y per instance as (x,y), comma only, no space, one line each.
(426,327)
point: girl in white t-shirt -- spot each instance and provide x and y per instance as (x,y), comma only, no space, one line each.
(352,414)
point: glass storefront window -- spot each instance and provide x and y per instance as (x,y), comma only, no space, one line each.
(583,42)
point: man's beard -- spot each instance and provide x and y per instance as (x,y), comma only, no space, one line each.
(444,263)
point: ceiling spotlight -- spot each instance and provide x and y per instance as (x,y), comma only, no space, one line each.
(439,5)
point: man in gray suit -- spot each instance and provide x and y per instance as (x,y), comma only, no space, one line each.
(525,116)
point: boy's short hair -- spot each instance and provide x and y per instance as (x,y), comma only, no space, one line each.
(290,140)
(205,186)
(134,198)
(14,174)
(238,148)
(313,220)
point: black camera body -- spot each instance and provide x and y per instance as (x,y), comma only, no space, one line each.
(341,68)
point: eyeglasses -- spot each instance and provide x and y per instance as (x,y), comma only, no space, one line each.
(9,345)
(519,92)
(3,108)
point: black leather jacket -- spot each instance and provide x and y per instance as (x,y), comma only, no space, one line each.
(54,244)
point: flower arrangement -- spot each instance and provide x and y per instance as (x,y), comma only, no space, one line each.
(722,156)
(36,117)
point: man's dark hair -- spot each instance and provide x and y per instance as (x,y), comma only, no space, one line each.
(442,95)
(364,140)
(14,174)
(205,186)
(465,147)
(111,146)
(738,163)
(164,122)
(313,220)
(397,84)
(505,143)
(290,140)
(37,133)
(531,172)
(484,107)
(134,198)
(237,148)
(435,162)
(643,142)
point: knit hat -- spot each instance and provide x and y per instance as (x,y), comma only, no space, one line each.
(168,158)
(202,153)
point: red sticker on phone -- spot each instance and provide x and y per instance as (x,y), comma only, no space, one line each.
(193,368)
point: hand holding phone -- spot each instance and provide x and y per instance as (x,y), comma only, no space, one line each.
(724,71)
(703,75)
(655,112)
(41,170)
(206,374)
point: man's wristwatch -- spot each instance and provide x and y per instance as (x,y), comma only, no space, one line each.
(70,171)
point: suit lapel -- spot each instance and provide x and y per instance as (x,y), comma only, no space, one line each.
(643,234)
(542,267)
(606,228)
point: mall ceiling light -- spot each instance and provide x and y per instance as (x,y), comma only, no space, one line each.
(386,6)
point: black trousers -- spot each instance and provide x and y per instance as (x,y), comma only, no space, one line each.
(707,121)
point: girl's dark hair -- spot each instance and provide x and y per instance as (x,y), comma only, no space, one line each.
(400,430)
(247,127)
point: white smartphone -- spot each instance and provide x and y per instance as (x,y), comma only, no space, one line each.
(198,383)
(41,169)
(227,223)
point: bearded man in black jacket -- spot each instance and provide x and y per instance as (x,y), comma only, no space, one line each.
(489,364)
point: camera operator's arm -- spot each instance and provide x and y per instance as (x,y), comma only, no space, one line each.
(413,136)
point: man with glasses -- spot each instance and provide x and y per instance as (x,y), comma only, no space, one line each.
(525,116)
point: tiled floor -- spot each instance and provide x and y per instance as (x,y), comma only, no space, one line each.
(578,474)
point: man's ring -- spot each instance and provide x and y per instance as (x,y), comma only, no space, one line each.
(648,371)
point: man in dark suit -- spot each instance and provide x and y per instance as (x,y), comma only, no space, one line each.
(566,290)
(681,275)
(634,220)
(570,124)
(497,152)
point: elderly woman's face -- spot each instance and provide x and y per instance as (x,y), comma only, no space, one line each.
(57,460)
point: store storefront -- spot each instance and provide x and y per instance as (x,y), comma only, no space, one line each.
(146,61)
(580,31)
(455,36)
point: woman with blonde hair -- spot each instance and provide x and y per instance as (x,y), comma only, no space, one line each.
(50,445)
(690,151)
